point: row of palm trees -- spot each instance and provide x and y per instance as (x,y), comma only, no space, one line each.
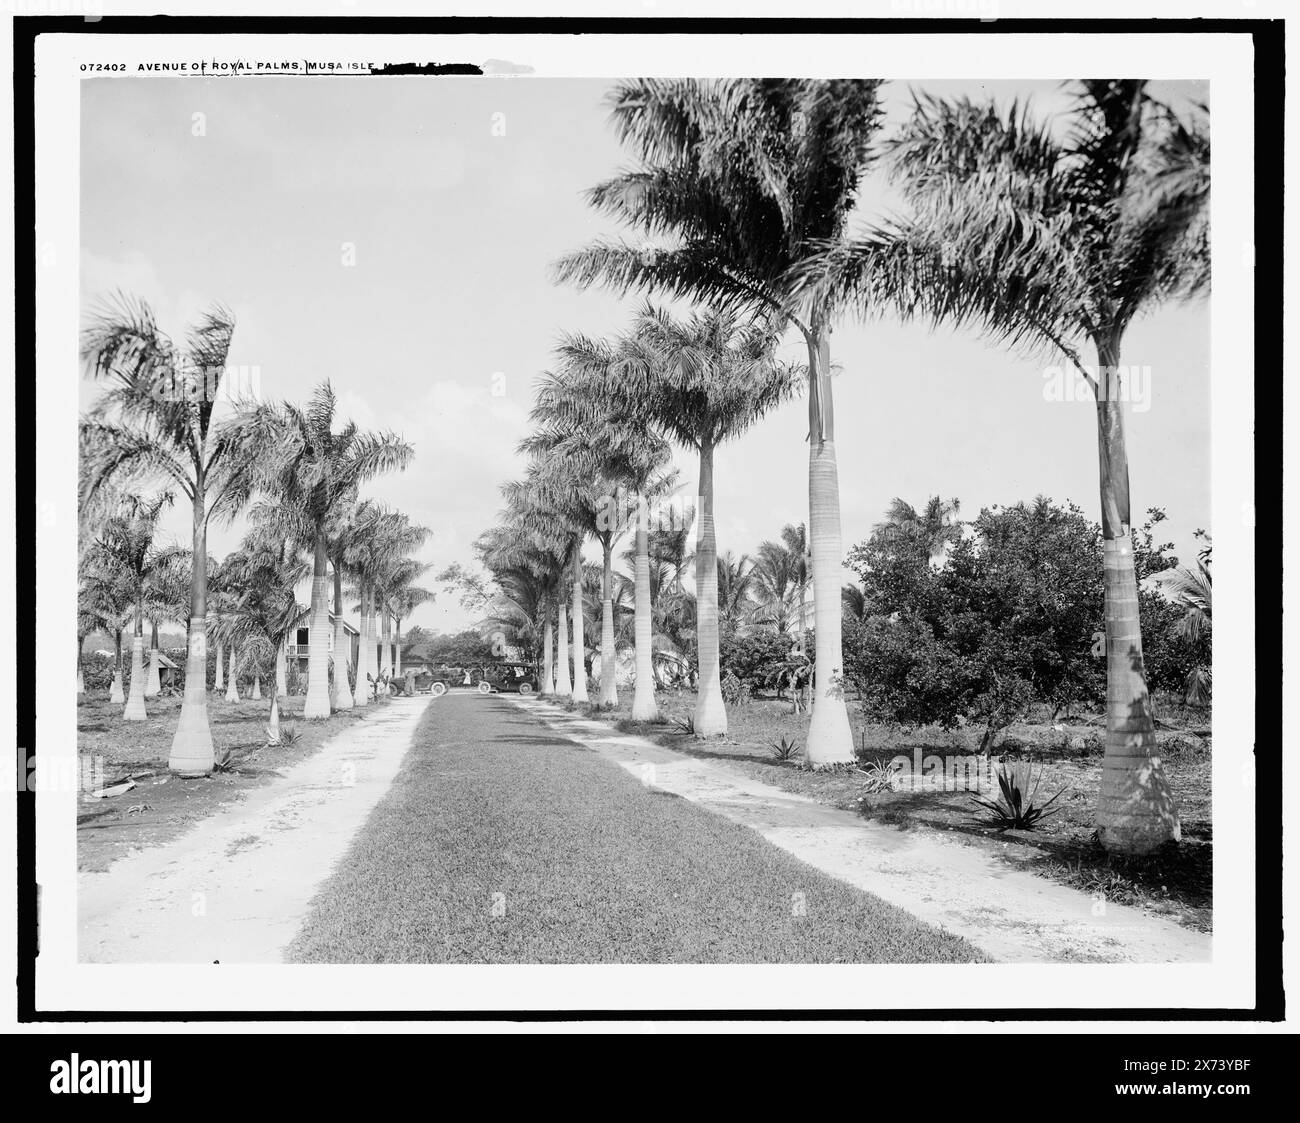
(764,592)
(1044,237)
(295,472)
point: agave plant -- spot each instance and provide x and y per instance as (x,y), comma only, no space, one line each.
(1016,807)
(785,749)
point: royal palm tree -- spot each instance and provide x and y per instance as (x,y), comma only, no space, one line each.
(104,603)
(559,501)
(155,421)
(575,422)
(700,382)
(527,574)
(168,601)
(344,527)
(315,475)
(545,538)
(735,580)
(1056,240)
(126,546)
(264,613)
(383,539)
(782,576)
(518,613)
(749,179)
(402,596)
(936,527)
(405,599)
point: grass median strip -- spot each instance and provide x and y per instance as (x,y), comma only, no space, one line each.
(501,842)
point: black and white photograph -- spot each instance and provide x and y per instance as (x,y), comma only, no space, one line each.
(737,503)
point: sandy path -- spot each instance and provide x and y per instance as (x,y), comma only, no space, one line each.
(1014,916)
(236,888)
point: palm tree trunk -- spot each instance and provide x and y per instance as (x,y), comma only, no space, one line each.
(343,697)
(644,706)
(397,647)
(256,696)
(116,696)
(232,679)
(562,685)
(81,678)
(191,752)
(219,681)
(281,672)
(273,727)
(830,740)
(710,713)
(801,626)
(1136,811)
(547,685)
(317,707)
(385,645)
(365,648)
(152,681)
(579,643)
(608,661)
(135,710)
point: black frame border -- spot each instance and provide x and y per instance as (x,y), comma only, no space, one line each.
(1268,38)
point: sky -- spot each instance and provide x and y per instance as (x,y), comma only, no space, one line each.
(394,236)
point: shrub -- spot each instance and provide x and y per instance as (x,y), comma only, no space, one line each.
(754,658)
(731,686)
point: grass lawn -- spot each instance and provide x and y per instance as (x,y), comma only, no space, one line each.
(1175,881)
(501,842)
(162,806)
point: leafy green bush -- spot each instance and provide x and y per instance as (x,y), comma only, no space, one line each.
(754,658)
(731,687)
(1007,616)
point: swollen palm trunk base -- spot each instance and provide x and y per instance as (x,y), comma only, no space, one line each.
(562,685)
(644,706)
(710,714)
(548,664)
(830,739)
(1136,811)
(608,657)
(232,689)
(116,696)
(343,697)
(135,710)
(153,680)
(579,644)
(317,706)
(365,658)
(191,752)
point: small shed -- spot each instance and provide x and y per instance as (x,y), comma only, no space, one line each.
(168,671)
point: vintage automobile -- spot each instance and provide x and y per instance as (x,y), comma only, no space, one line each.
(491,678)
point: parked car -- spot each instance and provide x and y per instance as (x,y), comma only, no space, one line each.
(492,678)
(512,678)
